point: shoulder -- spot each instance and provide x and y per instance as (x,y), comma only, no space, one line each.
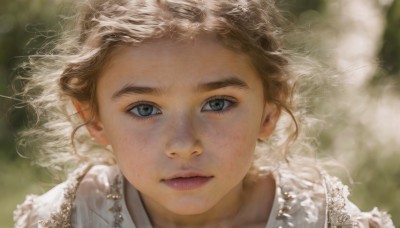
(311,198)
(342,212)
(37,208)
(55,207)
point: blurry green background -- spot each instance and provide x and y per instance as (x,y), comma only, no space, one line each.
(359,110)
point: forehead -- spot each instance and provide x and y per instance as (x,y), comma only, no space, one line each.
(166,62)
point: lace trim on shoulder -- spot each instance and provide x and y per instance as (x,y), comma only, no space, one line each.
(62,217)
(337,194)
(341,216)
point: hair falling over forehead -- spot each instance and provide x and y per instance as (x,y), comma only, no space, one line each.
(247,26)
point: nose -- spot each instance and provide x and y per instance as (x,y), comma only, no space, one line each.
(183,141)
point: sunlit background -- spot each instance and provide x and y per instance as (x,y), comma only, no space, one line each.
(358,107)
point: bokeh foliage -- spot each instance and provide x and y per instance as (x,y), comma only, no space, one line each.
(26,24)
(24,27)
(390,52)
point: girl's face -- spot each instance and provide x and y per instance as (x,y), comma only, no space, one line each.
(183,119)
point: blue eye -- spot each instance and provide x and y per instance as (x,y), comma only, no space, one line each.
(218,105)
(145,110)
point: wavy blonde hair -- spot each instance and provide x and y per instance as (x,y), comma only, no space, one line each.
(70,70)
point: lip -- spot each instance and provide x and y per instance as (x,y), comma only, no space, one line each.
(187,181)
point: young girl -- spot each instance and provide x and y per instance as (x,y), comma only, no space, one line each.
(177,114)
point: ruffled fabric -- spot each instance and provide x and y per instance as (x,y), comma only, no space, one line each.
(301,198)
(23,212)
(380,219)
(374,219)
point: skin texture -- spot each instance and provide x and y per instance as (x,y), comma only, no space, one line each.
(192,125)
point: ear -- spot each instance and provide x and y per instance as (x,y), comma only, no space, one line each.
(93,123)
(269,120)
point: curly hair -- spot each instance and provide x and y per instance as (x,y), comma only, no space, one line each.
(70,70)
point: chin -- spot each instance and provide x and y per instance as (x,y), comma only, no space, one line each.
(190,207)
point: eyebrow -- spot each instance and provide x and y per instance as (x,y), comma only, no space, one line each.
(131,89)
(228,82)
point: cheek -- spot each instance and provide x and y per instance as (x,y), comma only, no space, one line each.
(134,149)
(136,157)
(234,143)
(132,146)
(126,136)
(238,131)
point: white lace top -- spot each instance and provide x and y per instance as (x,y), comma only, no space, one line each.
(94,197)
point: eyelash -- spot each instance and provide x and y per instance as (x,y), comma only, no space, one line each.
(232,103)
(139,104)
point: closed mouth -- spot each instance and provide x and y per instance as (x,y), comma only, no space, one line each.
(187,181)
